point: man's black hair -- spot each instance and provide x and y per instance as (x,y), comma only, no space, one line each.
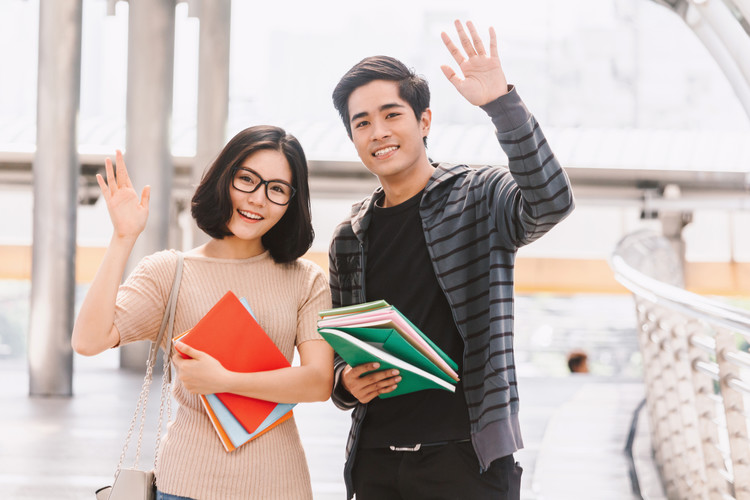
(412,88)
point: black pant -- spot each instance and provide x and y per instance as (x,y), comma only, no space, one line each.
(447,471)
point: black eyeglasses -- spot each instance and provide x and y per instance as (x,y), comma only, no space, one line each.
(248,181)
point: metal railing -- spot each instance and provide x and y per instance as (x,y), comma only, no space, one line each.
(696,370)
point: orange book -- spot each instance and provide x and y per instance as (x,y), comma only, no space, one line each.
(230,334)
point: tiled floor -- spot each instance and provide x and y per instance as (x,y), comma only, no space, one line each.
(64,448)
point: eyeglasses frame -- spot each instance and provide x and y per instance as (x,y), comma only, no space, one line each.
(264,183)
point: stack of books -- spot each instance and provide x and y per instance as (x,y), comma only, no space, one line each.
(230,334)
(378,332)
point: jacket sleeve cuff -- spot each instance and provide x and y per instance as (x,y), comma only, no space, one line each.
(508,112)
(342,398)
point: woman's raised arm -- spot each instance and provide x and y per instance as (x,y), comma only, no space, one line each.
(94,329)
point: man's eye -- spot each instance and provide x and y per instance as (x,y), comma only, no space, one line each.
(361,124)
(392,115)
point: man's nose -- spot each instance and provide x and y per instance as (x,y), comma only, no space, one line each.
(380,130)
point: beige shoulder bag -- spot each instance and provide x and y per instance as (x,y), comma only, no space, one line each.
(133,483)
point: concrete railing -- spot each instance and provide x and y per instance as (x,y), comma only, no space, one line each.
(696,369)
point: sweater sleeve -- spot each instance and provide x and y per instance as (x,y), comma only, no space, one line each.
(142,298)
(317,299)
(538,194)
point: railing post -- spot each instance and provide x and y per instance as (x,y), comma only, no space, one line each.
(670,396)
(655,393)
(734,410)
(693,454)
(705,407)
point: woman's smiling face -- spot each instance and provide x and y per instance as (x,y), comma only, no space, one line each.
(253,215)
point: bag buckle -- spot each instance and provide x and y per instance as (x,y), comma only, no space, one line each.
(416,447)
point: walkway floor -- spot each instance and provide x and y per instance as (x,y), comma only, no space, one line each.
(575,429)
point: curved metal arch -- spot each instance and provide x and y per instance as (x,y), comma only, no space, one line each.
(722,27)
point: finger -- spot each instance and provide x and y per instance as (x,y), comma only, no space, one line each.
(387,384)
(187,350)
(122,173)
(177,360)
(364,368)
(383,387)
(493,44)
(391,387)
(371,381)
(457,55)
(103,186)
(109,171)
(145,196)
(377,378)
(451,75)
(478,45)
(465,42)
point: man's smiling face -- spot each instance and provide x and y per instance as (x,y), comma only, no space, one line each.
(385,132)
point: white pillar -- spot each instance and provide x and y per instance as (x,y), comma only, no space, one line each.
(213,89)
(151,28)
(55,171)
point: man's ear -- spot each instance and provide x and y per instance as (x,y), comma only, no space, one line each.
(425,121)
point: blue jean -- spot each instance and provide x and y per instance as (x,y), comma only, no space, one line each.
(167,496)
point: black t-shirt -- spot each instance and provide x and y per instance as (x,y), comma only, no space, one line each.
(399,270)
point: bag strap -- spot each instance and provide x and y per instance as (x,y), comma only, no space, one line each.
(166,328)
(167,322)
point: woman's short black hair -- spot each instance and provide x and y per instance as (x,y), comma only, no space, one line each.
(211,206)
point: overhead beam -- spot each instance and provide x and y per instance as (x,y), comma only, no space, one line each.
(600,186)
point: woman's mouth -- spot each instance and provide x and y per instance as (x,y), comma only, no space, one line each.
(249,215)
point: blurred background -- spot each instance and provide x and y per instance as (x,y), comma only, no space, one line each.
(636,108)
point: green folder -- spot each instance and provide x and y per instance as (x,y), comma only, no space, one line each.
(356,351)
(349,317)
(429,341)
(394,343)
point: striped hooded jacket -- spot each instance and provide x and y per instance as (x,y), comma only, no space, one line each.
(474,220)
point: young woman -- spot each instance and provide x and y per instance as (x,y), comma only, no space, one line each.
(254,203)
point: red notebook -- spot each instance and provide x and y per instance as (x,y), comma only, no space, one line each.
(229,333)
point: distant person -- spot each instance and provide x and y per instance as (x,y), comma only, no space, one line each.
(439,241)
(578,362)
(254,202)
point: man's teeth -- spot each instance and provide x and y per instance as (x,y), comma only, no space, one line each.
(381,152)
(250,215)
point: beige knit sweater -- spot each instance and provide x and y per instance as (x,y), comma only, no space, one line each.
(285,299)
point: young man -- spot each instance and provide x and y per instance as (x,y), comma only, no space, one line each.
(439,242)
